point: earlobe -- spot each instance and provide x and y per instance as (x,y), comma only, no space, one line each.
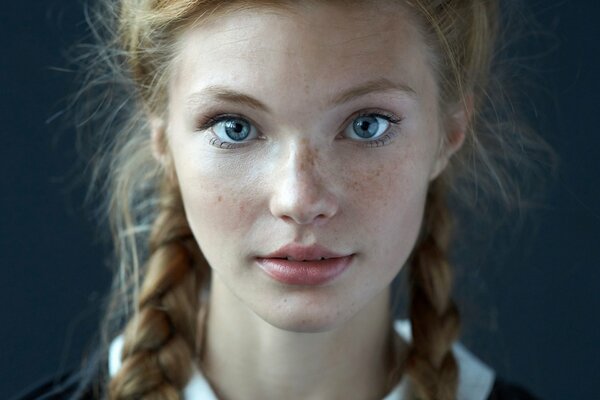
(456,128)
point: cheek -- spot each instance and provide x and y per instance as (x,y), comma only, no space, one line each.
(218,204)
(390,190)
(377,187)
(387,201)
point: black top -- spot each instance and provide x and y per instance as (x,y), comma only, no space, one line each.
(83,385)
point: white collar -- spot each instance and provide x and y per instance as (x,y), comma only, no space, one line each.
(475,378)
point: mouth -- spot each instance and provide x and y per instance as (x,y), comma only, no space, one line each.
(305,260)
(299,252)
(305,272)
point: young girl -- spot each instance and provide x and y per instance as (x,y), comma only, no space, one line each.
(281,163)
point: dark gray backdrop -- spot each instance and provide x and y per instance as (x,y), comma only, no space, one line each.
(537,298)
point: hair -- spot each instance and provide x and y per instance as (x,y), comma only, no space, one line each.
(156,295)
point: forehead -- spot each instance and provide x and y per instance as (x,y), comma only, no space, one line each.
(314,47)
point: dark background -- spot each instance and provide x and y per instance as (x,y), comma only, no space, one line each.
(536,314)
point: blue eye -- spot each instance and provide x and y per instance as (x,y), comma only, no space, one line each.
(232,128)
(368,126)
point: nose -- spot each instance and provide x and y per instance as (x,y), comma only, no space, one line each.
(302,193)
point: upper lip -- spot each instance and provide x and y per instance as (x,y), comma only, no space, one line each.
(299,252)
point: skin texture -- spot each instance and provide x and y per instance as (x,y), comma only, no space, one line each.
(302,177)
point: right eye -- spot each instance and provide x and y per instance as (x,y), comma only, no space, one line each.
(231,129)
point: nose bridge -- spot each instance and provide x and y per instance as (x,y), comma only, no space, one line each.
(304,193)
(304,159)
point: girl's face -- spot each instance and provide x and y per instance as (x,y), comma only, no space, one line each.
(317,125)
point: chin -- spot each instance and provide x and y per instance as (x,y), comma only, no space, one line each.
(295,315)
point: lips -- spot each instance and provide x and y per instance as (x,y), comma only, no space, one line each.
(297,252)
(301,265)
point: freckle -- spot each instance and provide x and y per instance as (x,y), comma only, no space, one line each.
(309,155)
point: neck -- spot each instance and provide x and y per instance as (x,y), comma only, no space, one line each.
(245,357)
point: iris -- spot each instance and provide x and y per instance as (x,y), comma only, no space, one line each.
(366,126)
(236,128)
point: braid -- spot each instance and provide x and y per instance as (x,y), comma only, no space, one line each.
(434,316)
(159,340)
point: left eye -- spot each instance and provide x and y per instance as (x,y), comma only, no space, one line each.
(233,128)
(368,126)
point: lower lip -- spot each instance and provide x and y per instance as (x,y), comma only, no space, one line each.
(308,273)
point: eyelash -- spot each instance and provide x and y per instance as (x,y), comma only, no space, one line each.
(379,142)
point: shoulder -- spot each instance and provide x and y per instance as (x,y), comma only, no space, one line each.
(477,380)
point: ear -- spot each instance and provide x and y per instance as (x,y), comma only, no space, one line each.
(158,137)
(454,133)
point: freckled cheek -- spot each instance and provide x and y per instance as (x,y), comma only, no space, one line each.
(387,201)
(215,202)
(377,189)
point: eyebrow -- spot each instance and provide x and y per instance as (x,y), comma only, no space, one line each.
(225,94)
(377,85)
